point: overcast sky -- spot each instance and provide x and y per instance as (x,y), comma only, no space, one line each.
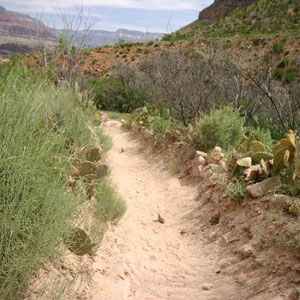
(153,15)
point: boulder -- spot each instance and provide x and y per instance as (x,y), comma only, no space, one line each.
(260,189)
(253,173)
(94,155)
(87,168)
(246,250)
(216,156)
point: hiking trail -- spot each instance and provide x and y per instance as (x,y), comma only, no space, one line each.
(141,258)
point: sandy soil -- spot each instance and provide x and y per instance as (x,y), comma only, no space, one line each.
(141,258)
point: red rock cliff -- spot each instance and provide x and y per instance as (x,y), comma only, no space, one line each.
(221,8)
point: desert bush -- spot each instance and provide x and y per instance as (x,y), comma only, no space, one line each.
(221,127)
(41,126)
(120,91)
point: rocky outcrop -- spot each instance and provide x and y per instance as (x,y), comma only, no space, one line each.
(21,33)
(222,8)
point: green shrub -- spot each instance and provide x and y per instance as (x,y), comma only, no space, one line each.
(221,127)
(41,126)
(118,94)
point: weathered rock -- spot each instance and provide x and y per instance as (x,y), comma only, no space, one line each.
(102,171)
(253,173)
(295,207)
(207,286)
(87,168)
(246,250)
(223,167)
(216,156)
(245,162)
(200,153)
(196,170)
(94,155)
(208,171)
(197,166)
(262,188)
(279,201)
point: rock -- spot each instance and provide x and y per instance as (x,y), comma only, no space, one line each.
(279,201)
(197,166)
(206,286)
(216,156)
(245,162)
(196,170)
(87,168)
(295,207)
(252,173)
(94,155)
(265,167)
(246,250)
(208,171)
(223,167)
(102,171)
(200,153)
(261,188)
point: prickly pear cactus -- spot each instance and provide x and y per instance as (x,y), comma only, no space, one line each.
(297,159)
(284,151)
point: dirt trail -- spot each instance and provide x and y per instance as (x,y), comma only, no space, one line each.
(141,258)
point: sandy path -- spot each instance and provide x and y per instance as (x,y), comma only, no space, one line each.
(144,259)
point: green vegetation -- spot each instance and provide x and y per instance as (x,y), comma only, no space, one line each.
(41,127)
(222,127)
(262,17)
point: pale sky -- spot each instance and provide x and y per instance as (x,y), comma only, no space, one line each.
(153,15)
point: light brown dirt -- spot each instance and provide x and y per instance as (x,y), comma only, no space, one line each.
(141,258)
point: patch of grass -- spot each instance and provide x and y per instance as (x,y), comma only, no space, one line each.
(119,116)
(109,207)
(174,166)
(41,126)
(105,140)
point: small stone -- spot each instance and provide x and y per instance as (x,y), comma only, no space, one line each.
(216,156)
(207,286)
(246,250)
(259,189)
(200,153)
(223,167)
(253,173)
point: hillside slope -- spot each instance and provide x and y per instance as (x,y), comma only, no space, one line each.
(262,17)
